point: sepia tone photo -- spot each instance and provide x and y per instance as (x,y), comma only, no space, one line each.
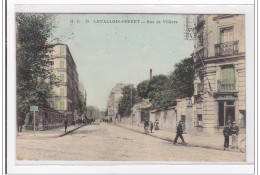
(130,87)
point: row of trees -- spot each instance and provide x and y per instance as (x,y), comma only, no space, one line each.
(94,113)
(35,80)
(161,90)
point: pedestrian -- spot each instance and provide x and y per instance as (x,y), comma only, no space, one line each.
(156,125)
(179,133)
(226,133)
(65,124)
(234,132)
(146,125)
(151,126)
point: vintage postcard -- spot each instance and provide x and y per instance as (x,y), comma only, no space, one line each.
(131,87)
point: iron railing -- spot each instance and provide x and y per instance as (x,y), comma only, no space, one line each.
(225,49)
(200,54)
(228,84)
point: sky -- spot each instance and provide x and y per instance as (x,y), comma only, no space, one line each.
(109,53)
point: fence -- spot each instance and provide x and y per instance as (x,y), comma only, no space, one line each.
(49,118)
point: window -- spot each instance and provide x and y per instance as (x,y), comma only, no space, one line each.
(226,112)
(62,50)
(226,34)
(62,64)
(227,78)
(62,105)
(61,77)
(199,119)
(62,93)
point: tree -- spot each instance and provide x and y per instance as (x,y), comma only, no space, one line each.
(160,93)
(128,100)
(34,77)
(143,89)
(81,103)
(182,78)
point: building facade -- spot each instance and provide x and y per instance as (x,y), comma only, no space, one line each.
(113,100)
(219,62)
(64,67)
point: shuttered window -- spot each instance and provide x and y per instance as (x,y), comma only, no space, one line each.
(62,64)
(227,77)
(61,77)
(62,105)
(62,50)
(62,91)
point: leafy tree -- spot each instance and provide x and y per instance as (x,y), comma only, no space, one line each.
(160,93)
(143,89)
(182,78)
(106,112)
(34,77)
(81,103)
(128,100)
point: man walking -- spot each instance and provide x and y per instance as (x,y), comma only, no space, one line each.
(146,127)
(226,133)
(234,132)
(65,124)
(156,125)
(179,133)
(151,126)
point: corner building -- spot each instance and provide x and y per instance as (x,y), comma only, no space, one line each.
(67,90)
(113,101)
(219,62)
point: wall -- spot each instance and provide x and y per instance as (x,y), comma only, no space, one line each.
(169,119)
(126,120)
(166,119)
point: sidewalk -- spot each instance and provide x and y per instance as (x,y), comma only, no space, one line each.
(55,132)
(210,142)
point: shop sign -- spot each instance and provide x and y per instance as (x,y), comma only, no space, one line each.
(226,97)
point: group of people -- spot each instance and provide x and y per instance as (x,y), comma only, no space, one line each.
(231,129)
(149,125)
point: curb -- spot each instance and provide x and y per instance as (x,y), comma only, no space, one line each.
(188,145)
(69,131)
(49,136)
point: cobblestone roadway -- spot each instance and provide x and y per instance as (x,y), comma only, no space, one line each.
(110,143)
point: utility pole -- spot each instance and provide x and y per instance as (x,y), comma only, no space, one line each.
(34,123)
(85,106)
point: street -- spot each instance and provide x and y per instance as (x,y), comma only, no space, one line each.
(105,142)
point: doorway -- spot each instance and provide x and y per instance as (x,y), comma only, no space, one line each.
(226,112)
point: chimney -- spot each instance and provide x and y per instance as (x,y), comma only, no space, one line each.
(151,74)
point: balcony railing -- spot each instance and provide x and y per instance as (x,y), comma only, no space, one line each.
(226,85)
(200,54)
(225,49)
(200,88)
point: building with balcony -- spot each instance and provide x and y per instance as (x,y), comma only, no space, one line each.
(220,85)
(64,67)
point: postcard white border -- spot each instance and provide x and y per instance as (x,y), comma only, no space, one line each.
(128,167)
